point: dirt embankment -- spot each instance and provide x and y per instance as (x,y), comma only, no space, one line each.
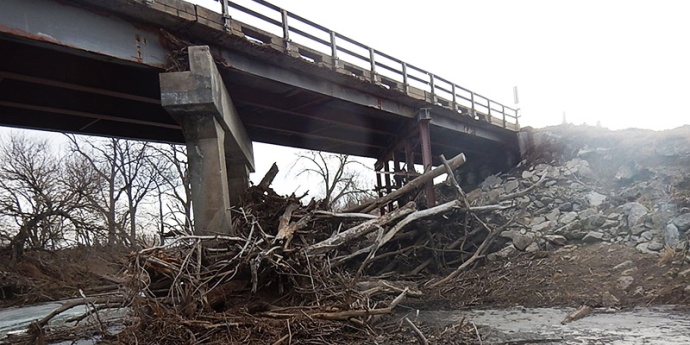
(610,227)
(42,276)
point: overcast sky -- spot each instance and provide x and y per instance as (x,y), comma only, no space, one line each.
(624,63)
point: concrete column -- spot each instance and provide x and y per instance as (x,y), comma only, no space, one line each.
(220,152)
(238,180)
(210,192)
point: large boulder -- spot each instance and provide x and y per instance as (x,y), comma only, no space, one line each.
(556,239)
(579,167)
(567,218)
(626,172)
(682,222)
(636,213)
(671,235)
(595,199)
(593,237)
(520,241)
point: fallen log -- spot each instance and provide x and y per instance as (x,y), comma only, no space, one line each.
(409,187)
(284,229)
(328,214)
(359,230)
(579,313)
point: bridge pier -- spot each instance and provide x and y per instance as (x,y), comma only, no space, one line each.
(403,150)
(423,120)
(219,150)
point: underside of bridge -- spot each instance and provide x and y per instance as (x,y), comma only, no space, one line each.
(61,89)
(107,84)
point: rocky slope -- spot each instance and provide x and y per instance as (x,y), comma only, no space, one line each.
(630,187)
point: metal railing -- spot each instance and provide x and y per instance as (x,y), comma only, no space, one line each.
(360,60)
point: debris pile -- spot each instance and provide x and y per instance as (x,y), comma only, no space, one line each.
(290,273)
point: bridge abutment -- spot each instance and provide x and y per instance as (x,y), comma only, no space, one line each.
(218,147)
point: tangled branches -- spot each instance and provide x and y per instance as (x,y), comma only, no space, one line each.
(289,273)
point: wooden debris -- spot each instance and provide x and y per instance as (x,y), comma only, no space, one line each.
(269,177)
(579,313)
(418,333)
(293,269)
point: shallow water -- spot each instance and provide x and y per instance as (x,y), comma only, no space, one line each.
(653,325)
(18,319)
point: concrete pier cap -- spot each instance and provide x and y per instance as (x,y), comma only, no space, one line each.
(219,150)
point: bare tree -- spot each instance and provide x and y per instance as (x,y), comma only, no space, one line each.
(127,175)
(174,188)
(41,197)
(139,171)
(339,175)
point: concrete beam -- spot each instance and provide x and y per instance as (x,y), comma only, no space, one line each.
(201,90)
(220,152)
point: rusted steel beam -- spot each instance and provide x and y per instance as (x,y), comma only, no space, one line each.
(425,138)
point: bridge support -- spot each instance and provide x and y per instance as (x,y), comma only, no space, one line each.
(218,148)
(423,119)
(417,133)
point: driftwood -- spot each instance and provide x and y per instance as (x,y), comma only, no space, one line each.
(328,214)
(285,231)
(316,275)
(360,230)
(269,177)
(417,332)
(579,313)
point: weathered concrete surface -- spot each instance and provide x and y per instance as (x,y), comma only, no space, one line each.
(220,152)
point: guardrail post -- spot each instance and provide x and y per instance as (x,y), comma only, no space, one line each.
(455,101)
(226,15)
(286,28)
(432,86)
(404,75)
(334,50)
(503,112)
(517,118)
(474,112)
(488,110)
(372,60)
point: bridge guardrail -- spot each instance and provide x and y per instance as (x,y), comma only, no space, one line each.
(351,56)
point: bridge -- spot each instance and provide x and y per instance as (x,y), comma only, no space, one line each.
(172,71)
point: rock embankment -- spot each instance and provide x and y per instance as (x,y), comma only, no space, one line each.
(630,187)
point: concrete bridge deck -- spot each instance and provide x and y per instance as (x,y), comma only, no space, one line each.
(93,67)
